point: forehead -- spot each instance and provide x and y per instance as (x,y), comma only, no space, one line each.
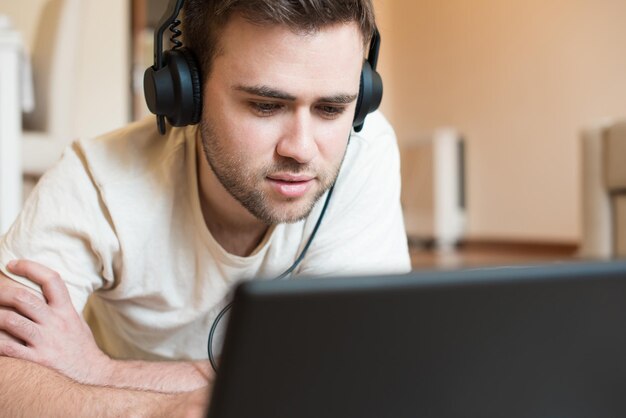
(275,55)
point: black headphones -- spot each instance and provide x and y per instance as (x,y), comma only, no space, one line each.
(173,85)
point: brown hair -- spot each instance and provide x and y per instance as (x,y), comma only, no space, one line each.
(203,19)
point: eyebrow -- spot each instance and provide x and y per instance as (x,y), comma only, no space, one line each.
(272,93)
(339,99)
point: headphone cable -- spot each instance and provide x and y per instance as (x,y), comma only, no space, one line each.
(282,276)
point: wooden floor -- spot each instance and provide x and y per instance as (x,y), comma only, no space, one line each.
(476,254)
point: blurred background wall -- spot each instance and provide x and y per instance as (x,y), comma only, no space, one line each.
(518,79)
(102,83)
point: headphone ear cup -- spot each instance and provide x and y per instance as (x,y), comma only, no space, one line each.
(196,85)
(370,95)
(175,91)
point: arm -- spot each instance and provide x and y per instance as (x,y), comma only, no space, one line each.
(27,389)
(65,224)
(169,377)
(47,330)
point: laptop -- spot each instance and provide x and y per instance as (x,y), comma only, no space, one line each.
(533,341)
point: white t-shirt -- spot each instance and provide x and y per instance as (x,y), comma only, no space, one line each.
(119,219)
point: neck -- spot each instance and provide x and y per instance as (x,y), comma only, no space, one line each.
(233,227)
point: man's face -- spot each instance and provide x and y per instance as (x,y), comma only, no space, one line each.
(278,109)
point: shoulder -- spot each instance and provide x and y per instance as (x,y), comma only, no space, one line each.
(133,167)
(377,134)
(129,152)
(372,152)
(376,127)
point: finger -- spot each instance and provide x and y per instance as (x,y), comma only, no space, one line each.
(13,349)
(4,337)
(52,285)
(19,327)
(24,302)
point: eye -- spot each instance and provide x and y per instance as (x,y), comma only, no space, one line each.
(331,112)
(264,108)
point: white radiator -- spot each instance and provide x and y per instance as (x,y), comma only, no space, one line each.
(433,188)
(603,192)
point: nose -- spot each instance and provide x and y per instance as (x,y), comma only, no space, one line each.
(298,140)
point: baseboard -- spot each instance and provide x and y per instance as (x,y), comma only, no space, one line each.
(555,248)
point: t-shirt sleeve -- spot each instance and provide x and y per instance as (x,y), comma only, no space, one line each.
(65,226)
(363,230)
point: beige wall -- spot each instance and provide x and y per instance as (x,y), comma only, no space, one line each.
(24,15)
(519,78)
(102,84)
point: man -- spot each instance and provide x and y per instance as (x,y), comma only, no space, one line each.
(154,231)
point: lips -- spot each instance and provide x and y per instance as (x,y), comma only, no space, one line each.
(291,177)
(291,185)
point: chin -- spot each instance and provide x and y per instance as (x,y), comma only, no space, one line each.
(272,209)
(290,215)
(291,211)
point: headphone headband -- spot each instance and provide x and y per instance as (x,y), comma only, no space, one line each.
(372,55)
(173,9)
(371,85)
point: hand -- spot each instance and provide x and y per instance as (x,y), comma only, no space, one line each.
(49,332)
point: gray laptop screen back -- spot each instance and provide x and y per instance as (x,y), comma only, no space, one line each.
(545,341)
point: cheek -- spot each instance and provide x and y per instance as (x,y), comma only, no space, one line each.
(237,132)
(332,143)
(253,136)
